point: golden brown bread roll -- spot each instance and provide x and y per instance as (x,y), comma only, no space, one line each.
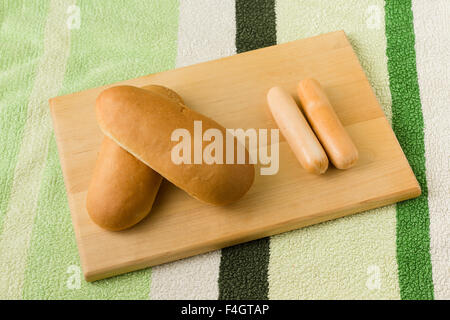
(142,122)
(122,188)
(165,92)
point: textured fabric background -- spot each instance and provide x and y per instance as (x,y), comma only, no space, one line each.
(54,47)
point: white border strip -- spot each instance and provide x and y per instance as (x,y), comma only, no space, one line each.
(432,27)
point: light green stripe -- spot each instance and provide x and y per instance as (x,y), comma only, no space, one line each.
(22,41)
(117,40)
(18,222)
(53,270)
(336,259)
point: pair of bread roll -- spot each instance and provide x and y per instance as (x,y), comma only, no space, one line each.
(136,153)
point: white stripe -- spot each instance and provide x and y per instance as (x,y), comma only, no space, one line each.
(191,278)
(206,31)
(19,219)
(432,30)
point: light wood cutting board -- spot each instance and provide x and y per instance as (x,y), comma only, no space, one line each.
(232,91)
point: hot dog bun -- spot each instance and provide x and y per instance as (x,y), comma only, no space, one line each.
(122,188)
(142,122)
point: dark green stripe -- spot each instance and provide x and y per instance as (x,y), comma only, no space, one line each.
(413,240)
(255,24)
(243,271)
(244,268)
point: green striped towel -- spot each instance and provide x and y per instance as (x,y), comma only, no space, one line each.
(54,47)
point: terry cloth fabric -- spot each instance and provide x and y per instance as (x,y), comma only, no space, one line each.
(55,47)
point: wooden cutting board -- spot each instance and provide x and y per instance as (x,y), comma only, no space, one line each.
(233,91)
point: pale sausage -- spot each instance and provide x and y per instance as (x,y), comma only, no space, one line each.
(297,131)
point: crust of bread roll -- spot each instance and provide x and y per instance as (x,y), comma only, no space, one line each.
(142,122)
(166,92)
(122,188)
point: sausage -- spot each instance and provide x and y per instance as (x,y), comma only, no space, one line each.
(323,119)
(297,131)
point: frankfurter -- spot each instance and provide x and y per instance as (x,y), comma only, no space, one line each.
(297,131)
(334,138)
